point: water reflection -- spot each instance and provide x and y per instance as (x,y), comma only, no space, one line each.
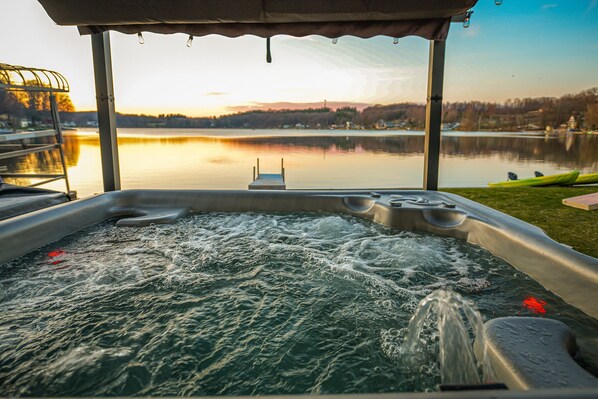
(45,161)
(169,158)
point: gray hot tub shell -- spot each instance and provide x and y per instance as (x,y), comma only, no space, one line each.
(569,274)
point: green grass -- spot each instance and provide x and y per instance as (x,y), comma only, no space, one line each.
(542,206)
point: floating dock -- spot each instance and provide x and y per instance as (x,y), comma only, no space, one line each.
(268,181)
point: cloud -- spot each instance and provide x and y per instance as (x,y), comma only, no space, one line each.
(548,6)
(216,93)
(592,4)
(294,106)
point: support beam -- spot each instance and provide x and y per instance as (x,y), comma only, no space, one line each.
(102,65)
(59,139)
(433,115)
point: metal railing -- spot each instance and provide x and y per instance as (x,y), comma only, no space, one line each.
(18,78)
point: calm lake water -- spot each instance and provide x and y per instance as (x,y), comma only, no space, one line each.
(224,158)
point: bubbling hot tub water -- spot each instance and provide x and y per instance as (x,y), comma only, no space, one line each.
(239,304)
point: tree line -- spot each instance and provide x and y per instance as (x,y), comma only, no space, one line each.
(513,114)
(30,106)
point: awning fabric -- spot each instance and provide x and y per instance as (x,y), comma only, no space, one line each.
(429,19)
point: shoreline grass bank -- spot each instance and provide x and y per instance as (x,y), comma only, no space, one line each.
(542,207)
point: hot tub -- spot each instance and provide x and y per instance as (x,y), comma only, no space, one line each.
(526,353)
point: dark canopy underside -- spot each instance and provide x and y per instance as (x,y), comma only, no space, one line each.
(429,19)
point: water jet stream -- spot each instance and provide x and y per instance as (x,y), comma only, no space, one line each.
(445,325)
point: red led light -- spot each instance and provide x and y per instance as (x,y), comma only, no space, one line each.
(56,258)
(53,254)
(535,305)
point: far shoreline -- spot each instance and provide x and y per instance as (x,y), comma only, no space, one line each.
(231,133)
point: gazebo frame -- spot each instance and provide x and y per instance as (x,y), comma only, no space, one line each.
(102,64)
(429,19)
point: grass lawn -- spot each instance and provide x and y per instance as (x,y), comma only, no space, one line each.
(542,206)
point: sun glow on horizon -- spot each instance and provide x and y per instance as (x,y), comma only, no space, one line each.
(220,75)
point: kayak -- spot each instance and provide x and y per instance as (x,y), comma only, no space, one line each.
(561,179)
(589,178)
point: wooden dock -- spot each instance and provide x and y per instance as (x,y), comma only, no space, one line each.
(268,181)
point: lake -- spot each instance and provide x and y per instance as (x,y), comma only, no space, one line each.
(224,158)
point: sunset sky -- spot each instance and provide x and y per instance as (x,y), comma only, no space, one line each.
(523,48)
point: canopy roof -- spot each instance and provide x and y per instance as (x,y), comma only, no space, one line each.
(20,78)
(429,19)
